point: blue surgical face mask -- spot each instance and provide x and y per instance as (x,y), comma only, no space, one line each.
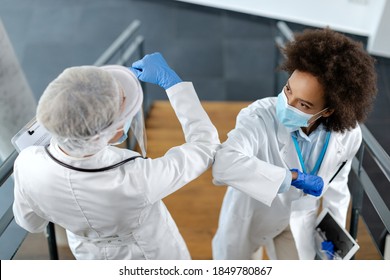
(126,128)
(290,116)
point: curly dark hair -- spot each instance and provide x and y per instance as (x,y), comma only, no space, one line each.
(343,68)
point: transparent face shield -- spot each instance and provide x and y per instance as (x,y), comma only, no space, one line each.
(137,133)
(131,109)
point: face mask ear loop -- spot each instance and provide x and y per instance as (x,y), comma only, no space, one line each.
(318,116)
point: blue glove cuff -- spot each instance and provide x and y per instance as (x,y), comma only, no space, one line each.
(171,80)
(299,181)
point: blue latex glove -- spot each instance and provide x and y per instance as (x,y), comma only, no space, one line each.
(154,69)
(328,247)
(310,184)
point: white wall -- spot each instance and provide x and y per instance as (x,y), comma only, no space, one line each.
(379,42)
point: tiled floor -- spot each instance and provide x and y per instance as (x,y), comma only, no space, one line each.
(228,55)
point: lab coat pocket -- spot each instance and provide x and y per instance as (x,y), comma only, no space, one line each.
(115,247)
(126,247)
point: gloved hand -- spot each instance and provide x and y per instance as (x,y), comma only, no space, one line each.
(154,69)
(328,247)
(310,184)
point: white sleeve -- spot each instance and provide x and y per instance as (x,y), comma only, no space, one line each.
(24,214)
(184,163)
(237,165)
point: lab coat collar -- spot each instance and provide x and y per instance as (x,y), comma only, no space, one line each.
(301,135)
(58,153)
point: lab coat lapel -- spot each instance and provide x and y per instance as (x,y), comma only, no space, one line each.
(287,149)
(290,158)
(332,159)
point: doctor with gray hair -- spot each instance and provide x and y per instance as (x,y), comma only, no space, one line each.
(107,198)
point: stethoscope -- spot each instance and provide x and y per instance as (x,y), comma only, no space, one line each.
(90,170)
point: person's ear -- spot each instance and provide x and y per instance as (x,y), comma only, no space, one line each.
(327,113)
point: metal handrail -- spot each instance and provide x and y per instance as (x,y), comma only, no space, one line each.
(126,48)
(378,153)
(372,193)
(118,43)
(6,220)
(7,167)
(360,181)
(285,31)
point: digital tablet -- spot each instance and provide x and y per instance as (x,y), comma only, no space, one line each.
(328,229)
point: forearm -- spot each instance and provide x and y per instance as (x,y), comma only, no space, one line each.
(250,175)
(196,124)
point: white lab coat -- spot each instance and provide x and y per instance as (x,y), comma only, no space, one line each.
(253,163)
(116,214)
